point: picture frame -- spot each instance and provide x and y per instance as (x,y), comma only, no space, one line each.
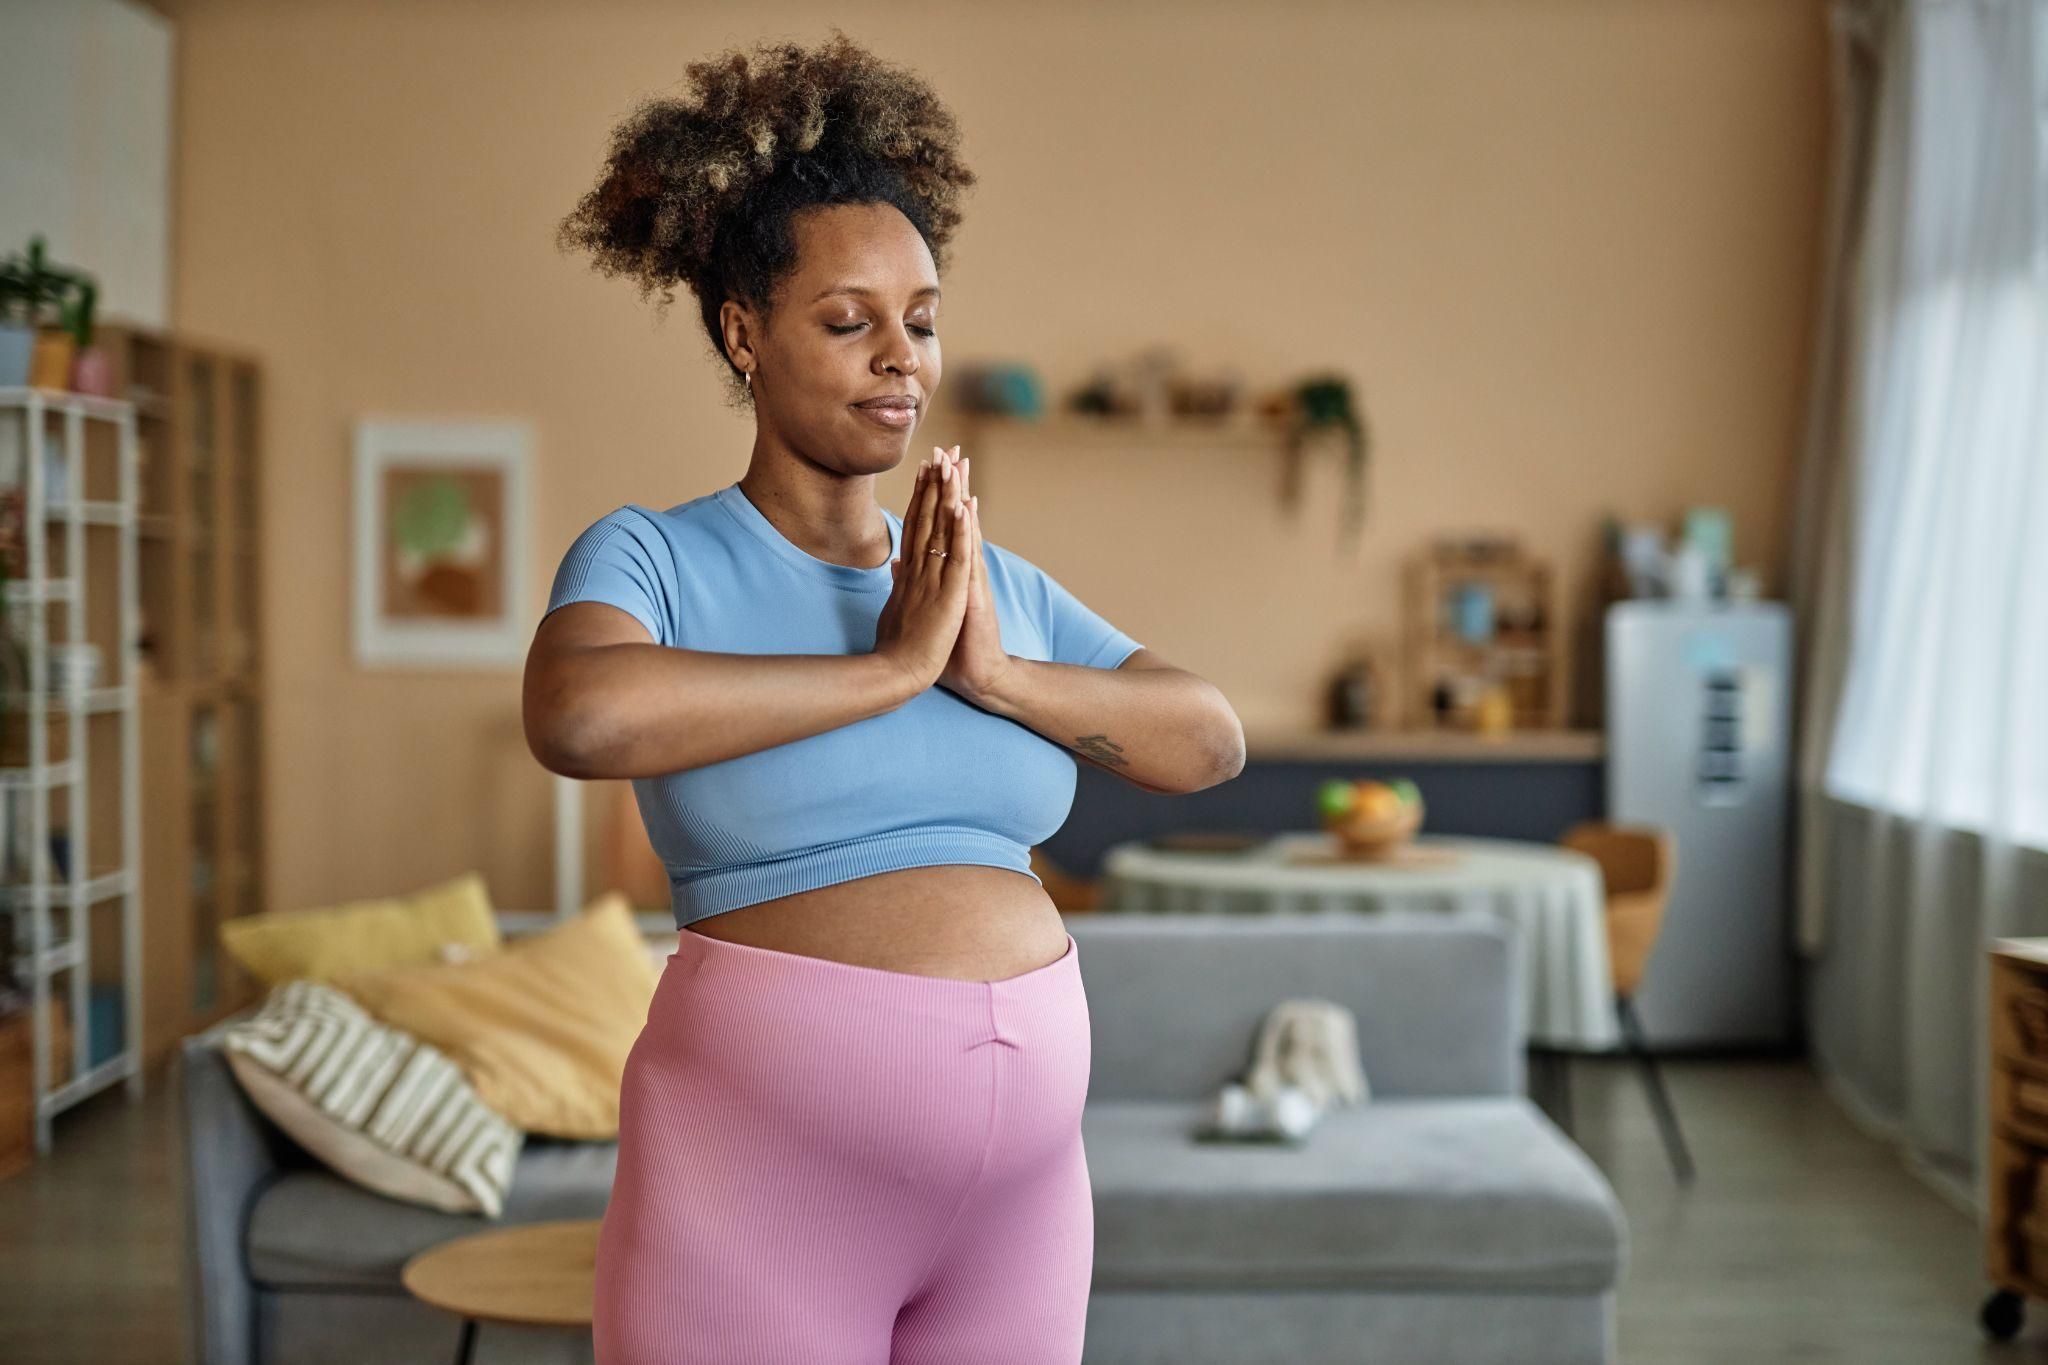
(442,541)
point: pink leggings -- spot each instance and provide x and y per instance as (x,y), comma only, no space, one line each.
(826,1164)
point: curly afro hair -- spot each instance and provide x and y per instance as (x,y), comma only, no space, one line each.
(702,191)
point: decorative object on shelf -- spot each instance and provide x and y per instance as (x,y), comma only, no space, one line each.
(441,543)
(1155,385)
(1696,566)
(1324,403)
(1484,648)
(92,369)
(1494,713)
(1372,820)
(14,667)
(998,389)
(1357,697)
(45,319)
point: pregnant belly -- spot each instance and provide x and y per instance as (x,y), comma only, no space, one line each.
(962,920)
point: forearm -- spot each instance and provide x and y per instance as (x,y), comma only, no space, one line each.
(1163,728)
(634,710)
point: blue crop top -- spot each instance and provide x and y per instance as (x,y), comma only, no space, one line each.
(938,780)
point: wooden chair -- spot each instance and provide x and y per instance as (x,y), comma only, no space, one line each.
(1636,863)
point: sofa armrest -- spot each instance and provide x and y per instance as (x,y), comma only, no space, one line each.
(231,1152)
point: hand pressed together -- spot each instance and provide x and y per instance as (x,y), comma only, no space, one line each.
(940,620)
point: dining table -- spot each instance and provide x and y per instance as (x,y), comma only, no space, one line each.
(1552,896)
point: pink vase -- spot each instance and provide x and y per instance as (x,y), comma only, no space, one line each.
(92,371)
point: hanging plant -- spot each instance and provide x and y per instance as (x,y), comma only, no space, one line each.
(1324,403)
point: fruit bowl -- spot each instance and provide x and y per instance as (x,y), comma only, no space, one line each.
(1372,820)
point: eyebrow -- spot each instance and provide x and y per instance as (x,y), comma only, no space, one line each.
(931,289)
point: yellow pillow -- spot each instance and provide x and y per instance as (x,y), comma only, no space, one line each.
(392,931)
(542,1028)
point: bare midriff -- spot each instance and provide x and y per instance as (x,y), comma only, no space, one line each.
(959,920)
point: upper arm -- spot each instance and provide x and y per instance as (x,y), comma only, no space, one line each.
(612,587)
(622,560)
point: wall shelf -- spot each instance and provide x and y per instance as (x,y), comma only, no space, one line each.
(1237,428)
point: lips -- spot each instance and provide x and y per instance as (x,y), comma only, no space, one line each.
(903,401)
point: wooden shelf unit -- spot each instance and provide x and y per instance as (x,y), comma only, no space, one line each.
(1527,657)
(2016,1213)
(199,409)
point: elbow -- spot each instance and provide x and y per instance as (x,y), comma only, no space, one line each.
(1229,753)
(553,736)
(554,753)
(1221,769)
(1229,766)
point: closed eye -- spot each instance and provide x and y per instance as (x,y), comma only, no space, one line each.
(855,327)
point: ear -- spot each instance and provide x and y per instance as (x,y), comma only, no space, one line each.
(738,328)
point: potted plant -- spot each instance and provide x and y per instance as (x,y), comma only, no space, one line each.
(17,323)
(36,296)
(92,371)
(1324,403)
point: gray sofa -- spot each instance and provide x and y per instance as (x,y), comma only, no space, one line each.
(1445,1220)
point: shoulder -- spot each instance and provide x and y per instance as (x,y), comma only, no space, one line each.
(1005,565)
(678,530)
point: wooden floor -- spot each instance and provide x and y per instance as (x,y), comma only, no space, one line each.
(1801,1241)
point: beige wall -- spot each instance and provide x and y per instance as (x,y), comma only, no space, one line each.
(1566,248)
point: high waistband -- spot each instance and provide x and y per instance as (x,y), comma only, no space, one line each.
(808,983)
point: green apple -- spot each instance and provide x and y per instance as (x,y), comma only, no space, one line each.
(1333,797)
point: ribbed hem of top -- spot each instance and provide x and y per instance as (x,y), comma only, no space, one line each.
(729,888)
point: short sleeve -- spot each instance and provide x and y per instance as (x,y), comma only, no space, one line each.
(621,559)
(1074,632)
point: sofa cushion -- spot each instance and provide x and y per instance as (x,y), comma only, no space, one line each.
(312,1228)
(1471,1192)
(374,1103)
(359,935)
(541,1028)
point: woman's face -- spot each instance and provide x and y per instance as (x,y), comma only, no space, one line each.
(857,320)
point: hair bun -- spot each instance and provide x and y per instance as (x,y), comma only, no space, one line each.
(835,120)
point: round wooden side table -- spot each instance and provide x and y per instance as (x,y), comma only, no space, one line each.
(536,1275)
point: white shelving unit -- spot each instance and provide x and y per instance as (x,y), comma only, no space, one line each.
(27,416)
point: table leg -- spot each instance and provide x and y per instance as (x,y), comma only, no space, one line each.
(465,1348)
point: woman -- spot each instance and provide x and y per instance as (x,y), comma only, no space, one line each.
(850,1130)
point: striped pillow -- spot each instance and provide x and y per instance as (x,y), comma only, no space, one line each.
(373,1102)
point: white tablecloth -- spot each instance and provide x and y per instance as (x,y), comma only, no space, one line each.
(1552,895)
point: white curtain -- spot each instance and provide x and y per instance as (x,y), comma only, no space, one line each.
(1922,562)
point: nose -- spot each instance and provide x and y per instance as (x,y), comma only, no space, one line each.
(899,356)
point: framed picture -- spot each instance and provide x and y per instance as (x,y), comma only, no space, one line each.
(441,543)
